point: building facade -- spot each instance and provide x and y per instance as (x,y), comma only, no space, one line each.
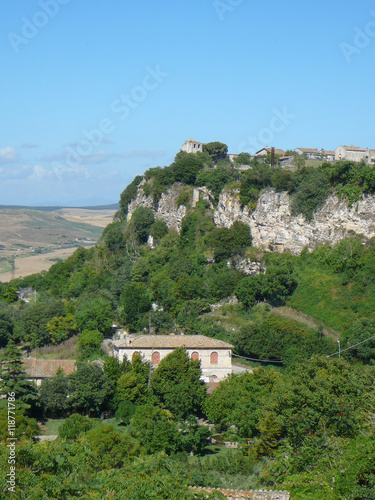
(351,153)
(215,355)
(191,146)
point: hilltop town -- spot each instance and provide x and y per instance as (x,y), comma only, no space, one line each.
(349,153)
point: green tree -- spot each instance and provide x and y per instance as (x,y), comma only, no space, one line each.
(61,328)
(186,167)
(53,395)
(6,328)
(24,427)
(158,229)
(35,318)
(155,429)
(133,384)
(177,386)
(135,303)
(142,219)
(89,389)
(9,293)
(129,193)
(94,314)
(75,425)
(125,411)
(89,342)
(114,237)
(216,150)
(113,369)
(250,290)
(13,378)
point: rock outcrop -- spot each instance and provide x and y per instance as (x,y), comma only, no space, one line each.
(166,209)
(273,227)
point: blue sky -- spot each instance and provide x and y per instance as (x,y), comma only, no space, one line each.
(94,93)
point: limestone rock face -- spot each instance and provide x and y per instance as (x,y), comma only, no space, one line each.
(272,225)
(166,209)
(274,228)
(229,210)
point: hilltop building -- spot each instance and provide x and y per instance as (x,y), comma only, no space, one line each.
(215,355)
(353,153)
(191,146)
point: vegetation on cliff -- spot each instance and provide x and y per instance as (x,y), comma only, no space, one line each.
(295,414)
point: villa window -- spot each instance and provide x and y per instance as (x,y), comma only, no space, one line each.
(195,356)
(155,358)
(214,358)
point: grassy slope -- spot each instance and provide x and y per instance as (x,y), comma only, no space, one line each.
(322,295)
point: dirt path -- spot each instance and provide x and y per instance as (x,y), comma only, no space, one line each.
(309,321)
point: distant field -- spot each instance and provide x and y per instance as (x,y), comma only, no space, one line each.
(35,239)
(99,218)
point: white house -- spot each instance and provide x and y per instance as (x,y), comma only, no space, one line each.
(310,153)
(351,153)
(215,355)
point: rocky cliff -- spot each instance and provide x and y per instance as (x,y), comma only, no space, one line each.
(272,225)
(166,209)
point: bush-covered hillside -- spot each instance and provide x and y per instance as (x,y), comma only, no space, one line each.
(299,419)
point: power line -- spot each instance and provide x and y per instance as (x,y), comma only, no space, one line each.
(258,360)
(351,347)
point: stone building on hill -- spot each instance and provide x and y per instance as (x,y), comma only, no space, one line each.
(191,146)
(215,355)
(353,153)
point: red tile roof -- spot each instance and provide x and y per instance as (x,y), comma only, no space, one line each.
(171,342)
(43,368)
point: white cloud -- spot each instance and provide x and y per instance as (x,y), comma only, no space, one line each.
(8,155)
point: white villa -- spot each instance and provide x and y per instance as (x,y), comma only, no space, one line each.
(215,355)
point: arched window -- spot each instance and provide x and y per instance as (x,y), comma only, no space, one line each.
(214,358)
(135,355)
(195,356)
(155,358)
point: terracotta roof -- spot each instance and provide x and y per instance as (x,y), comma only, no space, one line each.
(307,150)
(352,148)
(43,368)
(171,341)
(327,152)
(277,151)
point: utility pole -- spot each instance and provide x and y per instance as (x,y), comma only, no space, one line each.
(338,342)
